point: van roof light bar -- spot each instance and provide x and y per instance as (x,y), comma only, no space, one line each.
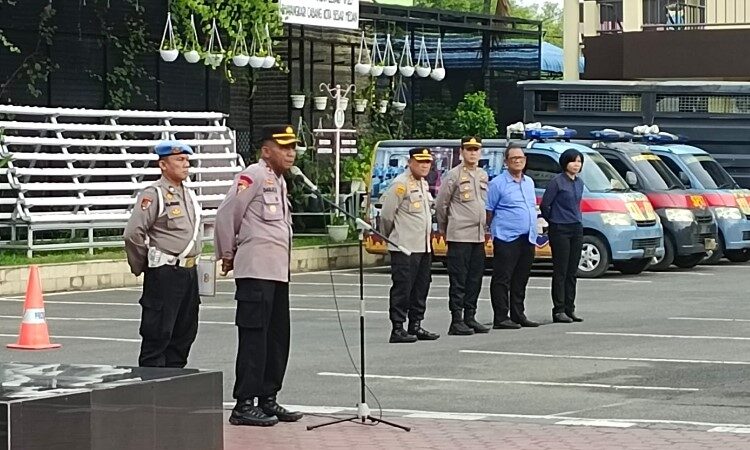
(537,131)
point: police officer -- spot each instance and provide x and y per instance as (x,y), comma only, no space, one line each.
(253,236)
(161,241)
(461,218)
(406,218)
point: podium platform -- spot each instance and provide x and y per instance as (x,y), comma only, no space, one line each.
(62,406)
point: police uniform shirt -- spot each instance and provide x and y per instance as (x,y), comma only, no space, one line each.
(460,205)
(170,232)
(254,225)
(406,215)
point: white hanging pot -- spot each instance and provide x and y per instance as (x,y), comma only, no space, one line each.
(214,56)
(360,105)
(406,63)
(192,56)
(406,71)
(376,61)
(256,62)
(300,149)
(362,69)
(376,71)
(240,60)
(169,55)
(214,59)
(438,74)
(268,62)
(321,103)
(398,106)
(423,68)
(390,71)
(383,106)
(298,101)
(423,71)
(390,66)
(343,103)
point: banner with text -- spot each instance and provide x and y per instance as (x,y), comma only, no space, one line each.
(321,13)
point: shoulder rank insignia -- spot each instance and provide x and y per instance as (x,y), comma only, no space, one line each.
(400,189)
(176,211)
(243,183)
(145,203)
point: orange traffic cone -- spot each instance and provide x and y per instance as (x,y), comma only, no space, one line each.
(33,334)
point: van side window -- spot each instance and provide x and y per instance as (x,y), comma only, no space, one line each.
(541,169)
(673,166)
(617,163)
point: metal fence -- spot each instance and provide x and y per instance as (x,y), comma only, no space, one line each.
(695,14)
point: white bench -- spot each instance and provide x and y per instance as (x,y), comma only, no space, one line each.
(78,169)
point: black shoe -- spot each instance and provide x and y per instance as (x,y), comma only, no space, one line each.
(573,317)
(415,329)
(506,324)
(271,408)
(246,413)
(526,323)
(400,336)
(476,326)
(459,328)
(561,318)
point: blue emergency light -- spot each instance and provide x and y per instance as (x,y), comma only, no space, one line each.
(611,135)
(663,138)
(549,133)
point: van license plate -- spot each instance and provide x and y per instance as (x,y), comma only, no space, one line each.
(710,244)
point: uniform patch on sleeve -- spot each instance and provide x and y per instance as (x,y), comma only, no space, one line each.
(243,183)
(400,189)
(145,203)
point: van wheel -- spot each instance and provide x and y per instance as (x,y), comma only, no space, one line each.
(666,260)
(688,261)
(633,266)
(594,258)
(717,253)
(738,256)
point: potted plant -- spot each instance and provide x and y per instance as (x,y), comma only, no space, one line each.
(376,66)
(389,58)
(168,48)
(338,230)
(383,106)
(438,72)
(364,62)
(343,103)
(214,55)
(192,55)
(321,101)
(423,68)
(360,104)
(240,56)
(270,60)
(257,58)
(298,100)
(406,63)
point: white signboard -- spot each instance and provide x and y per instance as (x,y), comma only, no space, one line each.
(321,13)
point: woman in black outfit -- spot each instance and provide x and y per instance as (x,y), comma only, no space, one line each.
(561,208)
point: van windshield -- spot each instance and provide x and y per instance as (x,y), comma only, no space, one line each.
(654,173)
(708,172)
(599,176)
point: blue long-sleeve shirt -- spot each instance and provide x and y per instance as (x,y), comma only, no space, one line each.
(561,203)
(513,205)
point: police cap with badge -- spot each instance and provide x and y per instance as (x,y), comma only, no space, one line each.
(168,148)
(283,135)
(471,142)
(421,154)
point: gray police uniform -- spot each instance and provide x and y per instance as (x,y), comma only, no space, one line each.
(461,217)
(254,228)
(161,241)
(406,218)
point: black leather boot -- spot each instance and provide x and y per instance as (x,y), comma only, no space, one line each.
(415,329)
(471,322)
(246,413)
(458,327)
(399,335)
(270,407)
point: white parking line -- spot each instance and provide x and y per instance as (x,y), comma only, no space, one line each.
(596,423)
(505,382)
(608,358)
(445,416)
(110,319)
(667,336)
(86,338)
(738,430)
(709,319)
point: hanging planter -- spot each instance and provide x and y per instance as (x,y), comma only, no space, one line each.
(301,147)
(363,67)
(192,56)
(269,61)
(383,106)
(423,68)
(406,63)
(321,102)
(438,72)
(360,105)
(342,103)
(214,51)
(239,50)
(298,100)
(257,56)
(168,50)
(389,59)
(399,97)
(377,58)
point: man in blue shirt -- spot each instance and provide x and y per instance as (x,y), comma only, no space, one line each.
(511,213)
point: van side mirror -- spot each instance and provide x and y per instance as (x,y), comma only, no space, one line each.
(631,178)
(685,179)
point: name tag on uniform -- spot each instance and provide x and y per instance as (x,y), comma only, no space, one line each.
(207,276)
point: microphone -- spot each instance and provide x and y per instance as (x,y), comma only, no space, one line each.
(297,172)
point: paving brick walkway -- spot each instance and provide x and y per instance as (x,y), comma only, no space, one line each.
(478,434)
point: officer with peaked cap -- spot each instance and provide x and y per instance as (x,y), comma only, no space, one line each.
(253,236)
(461,217)
(162,242)
(406,218)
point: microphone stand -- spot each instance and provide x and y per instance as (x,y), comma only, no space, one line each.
(363,411)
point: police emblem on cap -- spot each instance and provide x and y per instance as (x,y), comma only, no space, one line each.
(290,130)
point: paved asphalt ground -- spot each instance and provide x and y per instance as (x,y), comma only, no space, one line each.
(656,351)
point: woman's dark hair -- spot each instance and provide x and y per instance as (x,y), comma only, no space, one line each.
(568,156)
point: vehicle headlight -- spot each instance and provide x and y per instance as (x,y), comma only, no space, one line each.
(728,213)
(617,219)
(679,215)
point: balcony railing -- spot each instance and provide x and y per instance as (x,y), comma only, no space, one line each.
(610,16)
(695,14)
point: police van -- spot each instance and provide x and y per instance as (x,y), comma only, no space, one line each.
(620,226)
(690,231)
(701,173)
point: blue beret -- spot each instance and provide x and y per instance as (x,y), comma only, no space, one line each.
(166,148)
